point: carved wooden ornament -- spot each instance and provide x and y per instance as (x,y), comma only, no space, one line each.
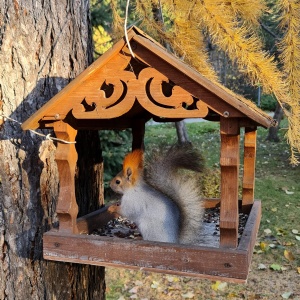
(114,92)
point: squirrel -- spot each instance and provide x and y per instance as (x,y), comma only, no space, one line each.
(164,203)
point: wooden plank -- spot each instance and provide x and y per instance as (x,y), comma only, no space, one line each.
(229,162)
(249,234)
(114,124)
(212,202)
(248,238)
(153,256)
(192,85)
(249,166)
(182,75)
(66,158)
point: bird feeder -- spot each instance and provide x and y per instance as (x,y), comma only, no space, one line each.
(117,92)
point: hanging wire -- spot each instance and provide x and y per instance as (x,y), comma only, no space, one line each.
(48,136)
(125,29)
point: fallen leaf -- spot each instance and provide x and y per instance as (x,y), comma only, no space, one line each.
(295,231)
(272,246)
(232,296)
(286,295)
(258,251)
(274,209)
(219,286)
(264,246)
(134,290)
(138,282)
(289,192)
(172,278)
(298,270)
(275,267)
(298,237)
(134,296)
(281,230)
(284,268)
(155,285)
(121,298)
(288,244)
(267,231)
(262,267)
(289,255)
(188,295)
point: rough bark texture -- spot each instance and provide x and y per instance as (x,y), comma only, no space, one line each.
(43,44)
(182,133)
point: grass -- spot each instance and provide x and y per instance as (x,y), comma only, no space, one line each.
(277,249)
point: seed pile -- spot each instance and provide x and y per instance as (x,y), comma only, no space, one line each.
(124,228)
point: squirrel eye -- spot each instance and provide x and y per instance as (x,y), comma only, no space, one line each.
(118,181)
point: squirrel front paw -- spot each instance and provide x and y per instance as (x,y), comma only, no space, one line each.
(114,208)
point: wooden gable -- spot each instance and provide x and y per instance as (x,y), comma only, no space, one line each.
(154,84)
(118,91)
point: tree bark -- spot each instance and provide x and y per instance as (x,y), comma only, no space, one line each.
(43,44)
(273,131)
(182,133)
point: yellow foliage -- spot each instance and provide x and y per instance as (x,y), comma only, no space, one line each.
(232,26)
(102,40)
(188,41)
(118,22)
(290,56)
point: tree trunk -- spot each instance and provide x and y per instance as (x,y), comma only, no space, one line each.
(273,131)
(182,133)
(43,44)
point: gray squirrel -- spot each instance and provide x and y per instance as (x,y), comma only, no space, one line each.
(163,201)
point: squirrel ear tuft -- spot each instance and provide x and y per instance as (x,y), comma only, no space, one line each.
(128,173)
(133,165)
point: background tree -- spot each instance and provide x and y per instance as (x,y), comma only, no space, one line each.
(43,44)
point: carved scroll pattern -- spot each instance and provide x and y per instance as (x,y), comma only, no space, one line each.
(113,93)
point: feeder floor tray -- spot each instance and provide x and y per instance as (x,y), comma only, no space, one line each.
(205,261)
(209,236)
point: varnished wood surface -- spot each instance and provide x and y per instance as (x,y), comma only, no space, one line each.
(229,162)
(66,158)
(249,166)
(204,262)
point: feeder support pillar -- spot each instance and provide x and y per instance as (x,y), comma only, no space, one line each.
(66,158)
(229,162)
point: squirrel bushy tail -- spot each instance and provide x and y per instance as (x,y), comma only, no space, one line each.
(163,173)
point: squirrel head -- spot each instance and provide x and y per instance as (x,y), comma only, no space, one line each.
(132,169)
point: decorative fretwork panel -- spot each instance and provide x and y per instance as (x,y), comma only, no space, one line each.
(113,93)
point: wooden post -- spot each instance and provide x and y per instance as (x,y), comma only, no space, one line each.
(249,167)
(66,158)
(229,162)
(138,134)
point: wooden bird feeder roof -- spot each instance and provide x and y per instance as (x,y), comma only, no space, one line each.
(117,88)
(118,91)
